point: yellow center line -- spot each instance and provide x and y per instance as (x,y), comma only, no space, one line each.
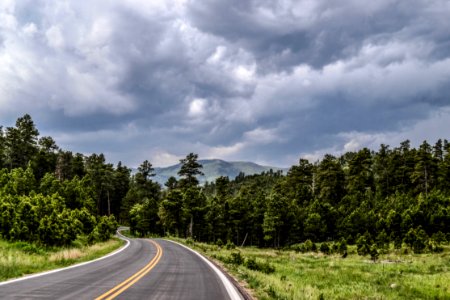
(120,288)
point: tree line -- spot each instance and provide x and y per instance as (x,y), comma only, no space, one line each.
(399,196)
(51,196)
(395,195)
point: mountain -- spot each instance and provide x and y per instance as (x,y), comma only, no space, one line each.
(213,168)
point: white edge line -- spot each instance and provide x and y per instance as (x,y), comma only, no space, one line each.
(231,289)
(70,267)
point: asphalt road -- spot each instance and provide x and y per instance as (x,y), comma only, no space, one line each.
(146,269)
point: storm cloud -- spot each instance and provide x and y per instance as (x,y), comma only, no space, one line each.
(266,81)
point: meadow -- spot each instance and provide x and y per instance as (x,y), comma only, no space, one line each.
(21,258)
(286,274)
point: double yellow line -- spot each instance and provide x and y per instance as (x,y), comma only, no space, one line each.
(120,288)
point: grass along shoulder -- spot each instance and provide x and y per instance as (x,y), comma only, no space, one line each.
(276,274)
(20,258)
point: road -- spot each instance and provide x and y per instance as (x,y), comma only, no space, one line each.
(146,269)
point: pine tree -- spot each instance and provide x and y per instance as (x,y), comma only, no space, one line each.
(190,169)
(21,142)
(425,169)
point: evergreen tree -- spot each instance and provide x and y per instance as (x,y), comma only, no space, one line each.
(171,183)
(145,171)
(275,219)
(359,175)
(63,169)
(299,183)
(425,169)
(171,212)
(45,159)
(382,172)
(190,169)
(121,185)
(21,142)
(143,191)
(403,163)
(330,180)
(194,210)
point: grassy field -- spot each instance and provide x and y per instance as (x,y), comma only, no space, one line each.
(19,258)
(291,275)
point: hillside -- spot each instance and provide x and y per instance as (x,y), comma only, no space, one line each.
(213,168)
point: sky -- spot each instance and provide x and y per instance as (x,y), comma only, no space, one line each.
(263,81)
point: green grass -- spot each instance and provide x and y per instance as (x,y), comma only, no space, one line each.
(317,276)
(20,258)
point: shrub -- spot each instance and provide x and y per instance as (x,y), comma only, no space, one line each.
(309,245)
(250,263)
(93,236)
(106,226)
(439,237)
(382,240)
(341,246)
(28,248)
(374,252)
(230,245)
(46,220)
(362,246)
(264,267)
(417,239)
(433,246)
(219,243)
(324,248)
(335,247)
(298,247)
(236,258)
(87,220)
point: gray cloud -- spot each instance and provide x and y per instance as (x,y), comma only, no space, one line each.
(252,80)
(320,32)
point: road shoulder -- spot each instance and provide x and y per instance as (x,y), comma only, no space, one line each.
(234,289)
(76,265)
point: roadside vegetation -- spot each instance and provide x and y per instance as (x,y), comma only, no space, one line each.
(51,209)
(312,274)
(369,198)
(385,202)
(50,197)
(21,258)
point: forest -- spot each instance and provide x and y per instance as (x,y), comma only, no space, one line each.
(397,196)
(49,196)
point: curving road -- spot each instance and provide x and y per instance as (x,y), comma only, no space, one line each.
(145,269)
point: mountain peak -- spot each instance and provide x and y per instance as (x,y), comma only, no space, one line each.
(214,168)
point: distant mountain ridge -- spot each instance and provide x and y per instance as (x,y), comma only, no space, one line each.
(214,168)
